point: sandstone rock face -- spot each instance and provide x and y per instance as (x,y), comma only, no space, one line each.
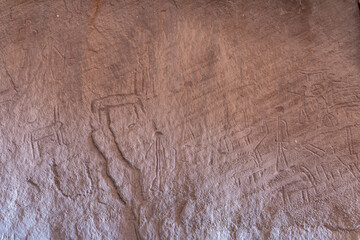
(179,119)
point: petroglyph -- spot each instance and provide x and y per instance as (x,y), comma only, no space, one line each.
(8,87)
(179,119)
(162,163)
(282,138)
(52,131)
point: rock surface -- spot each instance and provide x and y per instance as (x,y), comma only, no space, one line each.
(179,119)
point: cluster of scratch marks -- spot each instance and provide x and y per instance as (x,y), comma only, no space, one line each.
(318,152)
(349,168)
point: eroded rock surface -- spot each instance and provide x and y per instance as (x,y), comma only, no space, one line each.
(124,119)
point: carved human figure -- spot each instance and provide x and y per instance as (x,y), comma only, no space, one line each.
(303,111)
(281,141)
(161,160)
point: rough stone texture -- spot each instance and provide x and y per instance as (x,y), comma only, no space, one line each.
(135,119)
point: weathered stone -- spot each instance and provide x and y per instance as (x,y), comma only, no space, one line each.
(169,119)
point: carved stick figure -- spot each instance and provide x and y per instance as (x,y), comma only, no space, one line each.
(157,151)
(161,160)
(303,115)
(349,140)
(281,140)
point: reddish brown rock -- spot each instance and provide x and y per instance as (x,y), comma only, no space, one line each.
(124,119)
